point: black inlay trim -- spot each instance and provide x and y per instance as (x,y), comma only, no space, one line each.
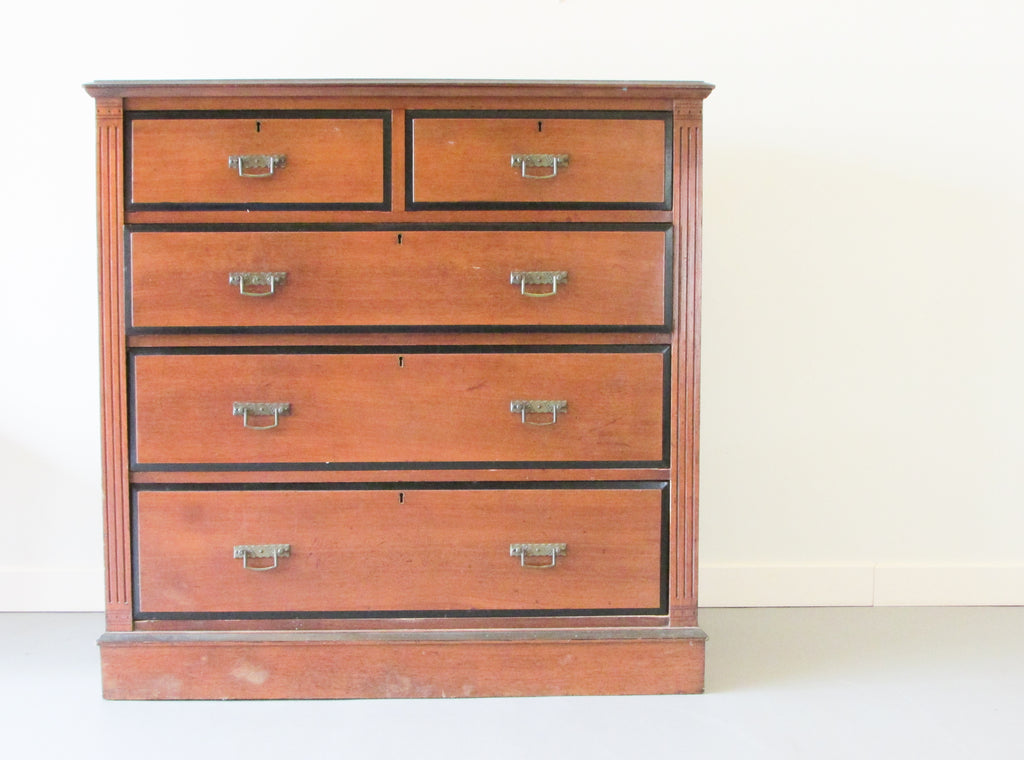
(413,205)
(641,348)
(141,614)
(383,114)
(136,466)
(666,326)
(396,226)
(415,485)
(392,614)
(396,466)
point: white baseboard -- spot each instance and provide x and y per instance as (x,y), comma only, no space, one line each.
(721,585)
(860,585)
(949,585)
(31,589)
(789,585)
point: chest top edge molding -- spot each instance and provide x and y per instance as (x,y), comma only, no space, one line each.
(398,88)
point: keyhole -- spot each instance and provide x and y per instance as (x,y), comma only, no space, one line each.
(401,498)
(401,361)
(258,126)
(399,238)
(540,126)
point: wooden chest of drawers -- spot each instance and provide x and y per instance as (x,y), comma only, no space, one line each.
(400,388)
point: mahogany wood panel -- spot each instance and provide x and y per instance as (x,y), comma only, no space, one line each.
(327,160)
(114,417)
(374,550)
(400,408)
(468,160)
(416,277)
(324,669)
(684,525)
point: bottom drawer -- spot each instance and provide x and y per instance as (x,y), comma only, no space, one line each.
(366,553)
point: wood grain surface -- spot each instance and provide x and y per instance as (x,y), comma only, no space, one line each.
(469,160)
(387,550)
(399,407)
(327,160)
(425,278)
(324,669)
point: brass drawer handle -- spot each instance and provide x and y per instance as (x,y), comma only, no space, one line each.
(537,550)
(261,551)
(543,160)
(269,280)
(266,165)
(539,407)
(522,279)
(245,409)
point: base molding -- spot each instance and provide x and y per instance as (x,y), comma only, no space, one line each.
(363,664)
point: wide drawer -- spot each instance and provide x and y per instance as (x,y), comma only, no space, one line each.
(259,160)
(321,408)
(401,550)
(229,280)
(529,159)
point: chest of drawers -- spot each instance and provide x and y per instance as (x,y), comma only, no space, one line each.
(400,388)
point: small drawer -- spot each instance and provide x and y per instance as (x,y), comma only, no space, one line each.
(532,159)
(589,548)
(317,408)
(522,279)
(319,159)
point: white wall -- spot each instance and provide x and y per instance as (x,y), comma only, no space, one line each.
(863,350)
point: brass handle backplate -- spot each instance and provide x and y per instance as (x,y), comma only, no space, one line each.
(554,408)
(245,552)
(257,166)
(267,281)
(554,551)
(247,409)
(522,279)
(543,160)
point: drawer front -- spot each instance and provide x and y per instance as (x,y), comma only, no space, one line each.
(580,160)
(331,160)
(418,278)
(605,405)
(362,551)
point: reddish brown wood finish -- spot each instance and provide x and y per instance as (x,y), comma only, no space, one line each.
(389,550)
(394,407)
(165,667)
(417,278)
(327,160)
(469,160)
(112,355)
(683,587)
(616,428)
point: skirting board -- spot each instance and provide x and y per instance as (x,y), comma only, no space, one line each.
(721,585)
(860,585)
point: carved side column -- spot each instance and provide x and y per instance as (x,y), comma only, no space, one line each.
(116,492)
(687,202)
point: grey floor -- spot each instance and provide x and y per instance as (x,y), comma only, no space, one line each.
(826,684)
